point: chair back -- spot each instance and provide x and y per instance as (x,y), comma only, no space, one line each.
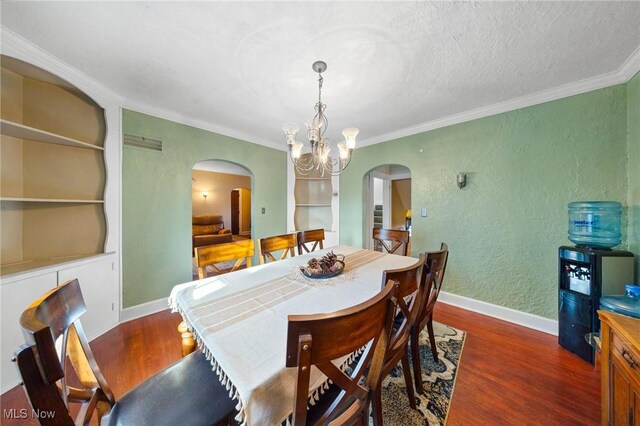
(398,240)
(435,266)
(321,338)
(315,236)
(286,243)
(55,317)
(210,255)
(409,300)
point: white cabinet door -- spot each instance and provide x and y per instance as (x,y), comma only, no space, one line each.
(100,291)
(15,297)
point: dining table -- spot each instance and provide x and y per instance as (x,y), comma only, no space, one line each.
(239,320)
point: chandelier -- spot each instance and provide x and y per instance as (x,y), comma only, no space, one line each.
(318,158)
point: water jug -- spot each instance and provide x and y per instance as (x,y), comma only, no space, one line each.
(627,304)
(595,223)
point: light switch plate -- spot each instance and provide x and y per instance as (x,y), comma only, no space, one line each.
(423,212)
(264,210)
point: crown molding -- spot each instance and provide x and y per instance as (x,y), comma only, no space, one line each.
(200,124)
(16,46)
(631,66)
(20,48)
(622,75)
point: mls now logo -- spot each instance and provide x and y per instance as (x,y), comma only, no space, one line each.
(23,413)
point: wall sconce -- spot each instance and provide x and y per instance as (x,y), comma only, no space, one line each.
(204,194)
(461,179)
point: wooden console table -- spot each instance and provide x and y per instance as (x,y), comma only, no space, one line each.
(620,369)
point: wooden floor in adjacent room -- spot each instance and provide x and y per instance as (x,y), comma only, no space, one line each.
(509,375)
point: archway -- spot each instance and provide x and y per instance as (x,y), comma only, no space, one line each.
(215,184)
(387,196)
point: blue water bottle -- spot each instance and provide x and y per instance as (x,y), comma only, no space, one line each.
(595,223)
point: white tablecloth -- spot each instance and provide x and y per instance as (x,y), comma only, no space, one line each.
(240,321)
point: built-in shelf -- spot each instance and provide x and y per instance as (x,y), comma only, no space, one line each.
(48,200)
(53,170)
(313,200)
(17,130)
(29,71)
(30,264)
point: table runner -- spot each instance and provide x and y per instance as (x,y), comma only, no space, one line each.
(240,321)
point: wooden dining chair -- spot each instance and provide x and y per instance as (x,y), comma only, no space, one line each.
(269,245)
(398,239)
(432,274)
(317,340)
(187,392)
(210,255)
(315,236)
(408,295)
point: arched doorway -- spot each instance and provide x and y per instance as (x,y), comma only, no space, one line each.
(387,195)
(220,200)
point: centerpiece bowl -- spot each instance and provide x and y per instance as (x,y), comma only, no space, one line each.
(327,266)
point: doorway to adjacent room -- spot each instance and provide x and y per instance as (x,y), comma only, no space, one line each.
(388,200)
(223,188)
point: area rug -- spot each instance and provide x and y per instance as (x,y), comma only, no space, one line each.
(438,381)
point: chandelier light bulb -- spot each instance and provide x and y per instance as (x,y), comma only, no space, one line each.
(350,136)
(290,131)
(313,133)
(344,151)
(317,122)
(324,151)
(296,150)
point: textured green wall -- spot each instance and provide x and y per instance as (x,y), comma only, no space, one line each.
(523,168)
(633,141)
(156,205)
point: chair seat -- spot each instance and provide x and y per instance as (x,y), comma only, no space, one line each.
(186,393)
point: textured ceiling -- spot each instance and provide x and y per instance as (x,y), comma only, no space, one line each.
(245,68)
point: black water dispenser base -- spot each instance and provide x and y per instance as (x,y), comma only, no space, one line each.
(584,275)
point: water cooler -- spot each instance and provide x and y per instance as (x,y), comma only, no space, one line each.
(586,274)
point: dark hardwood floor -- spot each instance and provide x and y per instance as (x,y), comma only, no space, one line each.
(509,375)
(512,375)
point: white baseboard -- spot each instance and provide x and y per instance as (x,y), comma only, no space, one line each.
(144,309)
(524,319)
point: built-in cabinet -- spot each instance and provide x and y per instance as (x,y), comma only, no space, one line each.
(59,192)
(620,369)
(99,283)
(313,203)
(52,170)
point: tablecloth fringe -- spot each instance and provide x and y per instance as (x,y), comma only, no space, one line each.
(233,392)
(315,396)
(222,376)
